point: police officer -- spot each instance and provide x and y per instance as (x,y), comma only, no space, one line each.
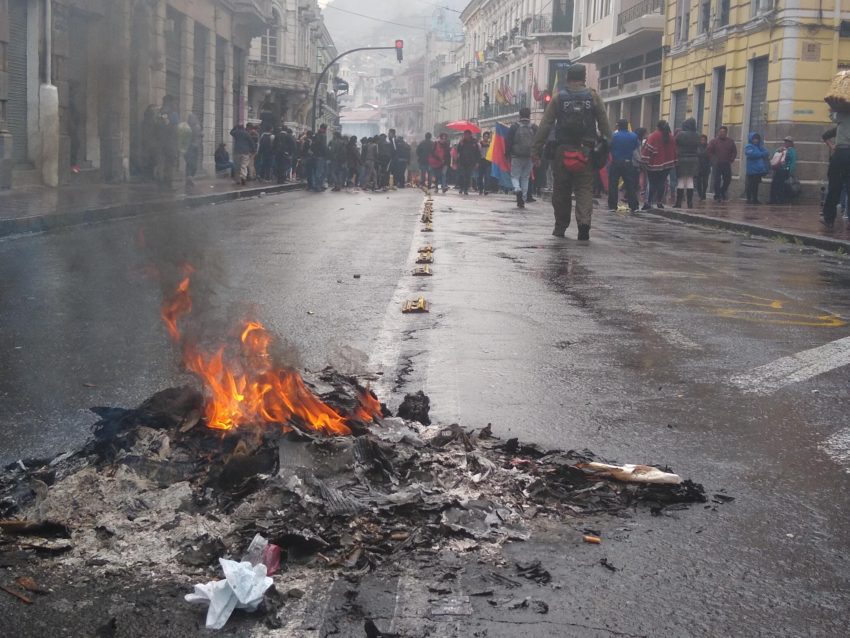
(581,129)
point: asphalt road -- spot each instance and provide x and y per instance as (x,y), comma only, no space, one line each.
(637,346)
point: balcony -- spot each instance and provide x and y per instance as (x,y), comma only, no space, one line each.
(251,17)
(279,76)
(646,15)
(501,110)
(548,25)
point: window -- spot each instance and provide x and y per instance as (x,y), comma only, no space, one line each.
(699,105)
(704,20)
(718,88)
(761,6)
(679,108)
(722,13)
(683,19)
(268,44)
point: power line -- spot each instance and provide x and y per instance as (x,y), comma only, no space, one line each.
(354,13)
(440,6)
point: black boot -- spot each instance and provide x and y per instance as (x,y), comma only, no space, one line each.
(519,202)
(530,199)
(680,192)
(583,232)
(690,197)
(558,231)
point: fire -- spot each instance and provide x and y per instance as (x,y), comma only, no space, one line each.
(248,388)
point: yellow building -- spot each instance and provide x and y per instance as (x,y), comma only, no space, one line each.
(756,66)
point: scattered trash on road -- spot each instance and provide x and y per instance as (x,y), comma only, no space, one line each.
(633,473)
(243,587)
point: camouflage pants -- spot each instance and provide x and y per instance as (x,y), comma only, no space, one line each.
(565,185)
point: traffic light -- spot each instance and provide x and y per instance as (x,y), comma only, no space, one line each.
(399,50)
(547,97)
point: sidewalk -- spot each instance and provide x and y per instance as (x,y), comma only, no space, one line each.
(799,223)
(37,208)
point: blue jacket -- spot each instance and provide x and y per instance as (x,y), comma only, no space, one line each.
(758,158)
(623,145)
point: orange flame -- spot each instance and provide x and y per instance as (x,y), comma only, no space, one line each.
(250,389)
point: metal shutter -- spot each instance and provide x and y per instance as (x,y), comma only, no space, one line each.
(16,111)
(758,96)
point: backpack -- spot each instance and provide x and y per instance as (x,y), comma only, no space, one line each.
(523,140)
(778,159)
(576,121)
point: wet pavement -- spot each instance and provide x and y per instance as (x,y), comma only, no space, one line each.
(629,346)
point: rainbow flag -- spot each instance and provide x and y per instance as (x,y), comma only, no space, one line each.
(500,165)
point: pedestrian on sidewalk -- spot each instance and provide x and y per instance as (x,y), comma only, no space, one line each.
(838,139)
(264,160)
(306,161)
(484,166)
(757,165)
(704,167)
(722,151)
(659,156)
(222,160)
(581,126)
(284,151)
(468,156)
(243,148)
(687,162)
(624,144)
(783,163)
(518,145)
(252,160)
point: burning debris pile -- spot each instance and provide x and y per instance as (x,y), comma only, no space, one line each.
(315,464)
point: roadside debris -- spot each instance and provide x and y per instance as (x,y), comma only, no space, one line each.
(242,588)
(15,594)
(593,540)
(415,305)
(604,562)
(633,473)
(416,407)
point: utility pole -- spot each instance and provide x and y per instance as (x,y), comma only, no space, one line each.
(398,48)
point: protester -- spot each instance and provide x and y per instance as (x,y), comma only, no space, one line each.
(370,160)
(579,119)
(254,134)
(838,174)
(148,136)
(222,160)
(385,156)
(643,180)
(320,158)
(624,144)
(783,163)
(438,160)
(306,160)
(264,160)
(757,166)
(243,148)
(423,152)
(687,161)
(722,151)
(659,156)
(484,166)
(353,161)
(468,156)
(414,168)
(402,161)
(284,151)
(518,147)
(704,167)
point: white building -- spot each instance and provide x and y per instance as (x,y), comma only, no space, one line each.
(622,39)
(510,46)
(284,63)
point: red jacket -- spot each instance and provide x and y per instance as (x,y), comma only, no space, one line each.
(657,154)
(723,151)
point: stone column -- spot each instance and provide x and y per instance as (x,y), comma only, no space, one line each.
(48,103)
(209,106)
(229,115)
(157,62)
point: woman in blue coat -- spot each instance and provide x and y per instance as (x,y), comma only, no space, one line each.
(758,165)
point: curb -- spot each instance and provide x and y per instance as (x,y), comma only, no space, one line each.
(55,221)
(814,241)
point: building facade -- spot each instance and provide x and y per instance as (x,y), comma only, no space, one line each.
(76,77)
(512,47)
(622,40)
(401,98)
(284,63)
(756,65)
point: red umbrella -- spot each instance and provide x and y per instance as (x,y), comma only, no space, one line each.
(463,125)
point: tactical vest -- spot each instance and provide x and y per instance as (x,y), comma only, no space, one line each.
(576,121)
